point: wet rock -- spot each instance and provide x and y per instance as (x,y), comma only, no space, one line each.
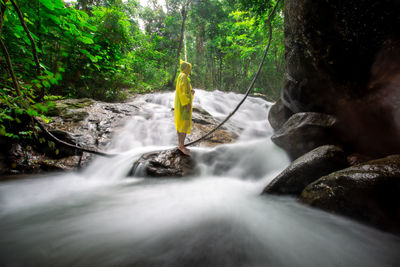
(27,160)
(95,132)
(278,115)
(220,136)
(71,109)
(304,132)
(68,125)
(166,163)
(201,116)
(74,115)
(369,192)
(200,110)
(306,169)
(263,96)
(356,158)
(203,122)
(61,151)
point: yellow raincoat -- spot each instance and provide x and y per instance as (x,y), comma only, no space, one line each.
(183,96)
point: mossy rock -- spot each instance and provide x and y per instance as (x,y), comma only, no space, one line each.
(74,115)
(65,108)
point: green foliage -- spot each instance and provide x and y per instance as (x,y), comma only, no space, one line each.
(226,41)
(107,49)
(15,113)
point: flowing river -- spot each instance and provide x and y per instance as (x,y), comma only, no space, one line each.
(100,217)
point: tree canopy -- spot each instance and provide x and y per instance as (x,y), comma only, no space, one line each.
(107,49)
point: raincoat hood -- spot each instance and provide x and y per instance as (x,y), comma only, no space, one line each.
(186,67)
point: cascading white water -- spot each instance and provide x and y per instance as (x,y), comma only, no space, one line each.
(101,218)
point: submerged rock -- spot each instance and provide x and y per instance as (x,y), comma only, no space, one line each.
(220,136)
(166,163)
(306,169)
(203,122)
(369,192)
(304,132)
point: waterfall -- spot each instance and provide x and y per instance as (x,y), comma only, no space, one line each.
(101,217)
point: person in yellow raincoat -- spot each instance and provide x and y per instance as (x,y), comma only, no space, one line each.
(183,105)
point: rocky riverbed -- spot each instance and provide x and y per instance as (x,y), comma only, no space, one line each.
(92,124)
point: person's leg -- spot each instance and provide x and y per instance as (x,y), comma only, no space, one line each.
(180,140)
(181,143)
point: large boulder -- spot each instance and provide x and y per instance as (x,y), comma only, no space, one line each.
(344,59)
(92,130)
(304,132)
(166,163)
(369,192)
(278,114)
(306,169)
(331,47)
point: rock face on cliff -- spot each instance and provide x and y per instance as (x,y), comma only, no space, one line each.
(343,59)
(331,47)
(368,192)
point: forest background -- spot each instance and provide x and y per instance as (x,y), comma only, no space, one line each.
(108,49)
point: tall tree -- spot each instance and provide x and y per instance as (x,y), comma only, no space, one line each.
(184,12)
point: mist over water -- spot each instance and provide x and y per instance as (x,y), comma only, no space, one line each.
(99,217)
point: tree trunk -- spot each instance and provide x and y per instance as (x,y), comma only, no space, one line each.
(10,67)
(39,24)
(33,45)
(5,51)
(220,70)
(83,4)
(2,12)
(184,13)
(184,46)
